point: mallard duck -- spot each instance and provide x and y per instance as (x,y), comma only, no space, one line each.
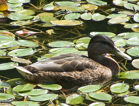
(77,69)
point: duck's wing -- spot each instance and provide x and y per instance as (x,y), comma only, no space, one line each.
(62,63)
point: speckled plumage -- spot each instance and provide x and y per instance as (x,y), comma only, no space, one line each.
(76,69)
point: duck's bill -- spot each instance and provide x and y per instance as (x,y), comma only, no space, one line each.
(122,54)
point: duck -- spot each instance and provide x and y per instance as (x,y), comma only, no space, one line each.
(98,67)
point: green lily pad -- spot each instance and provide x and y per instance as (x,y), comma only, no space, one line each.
(48,7)
(129,35)
(21,23)
(86,16)
(44,97)
(21,52)
(119,88)
(133,74)
(4,85)
(128,25)
(120,42)
(18,1)
(136,87)
(118,2)
(7,66)
(4,97)
(118,20)
(72,16)
(72,8)
(17,16)
(68,3)
(27,43)
(131,6)
(74,99)
(15,81)
(27,12)
(133,51)
(25,103)
(89,88)
(100,96)
(136,17)
(116,15)
(66,22)
(59,51)
(8,44)
(135,63)
(97,104)
(132,99)
(46,56)
(6,35)
(98,17)
(50,86)
(109,34)
(23,88)
(60,44)
(97,2)
(34,92)
(134,41)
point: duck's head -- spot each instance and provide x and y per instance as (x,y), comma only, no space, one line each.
(100,45)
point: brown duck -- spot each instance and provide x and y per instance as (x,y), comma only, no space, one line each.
(77,69)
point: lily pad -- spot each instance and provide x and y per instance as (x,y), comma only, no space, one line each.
(136,17)
(72,16)
(21,23)
(90,7)
(74,99)
(34,92)
(66,22)
(25,103)
(119,88)
(132,99)
(98,17)
(129,35)
(4,85)
(118,20)
(51,86)
(133,74)
(7,66)
(44,97)
(109,34)
(89,88)
(21,52)
(97,2)
(2,53)
(120,42)
(68,3)
(134,41)
(27,12)
(86,16)
(23,88)
(136,87)
(27,43)
(60,44)
(4,97)
(97,104)
(116,15)
(48,7)
(6,44)
(133,51)
(18,1)
(100,96)
(135,63)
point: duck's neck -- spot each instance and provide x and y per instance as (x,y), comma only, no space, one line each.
(106,61)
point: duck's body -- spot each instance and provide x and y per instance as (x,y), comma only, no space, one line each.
(75,69)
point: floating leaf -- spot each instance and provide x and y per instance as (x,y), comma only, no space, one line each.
(6,44)
(4,97)
(48,7)
(90,7)
(119,88)
(66,22)
(27,12)
(74,99)
(134,41)
(7,66)
(86,16)
(133,74)
(23,88)
(118,20)
(97,104)
(109,34)
(50,86)
(25,103)
(101,96)
(129,35)
(89,88)
(72,16)
(21,23)
(136,87)
(27,43)
(6,35)
(18,1)
(2,53)
(131,6)
(116,15)
(97,2)
(135,63)
(132,99)
(21,52)
(118,2)
(67,3)
(133,51)
(120,42)
(72,8)
(98,17)
(60,44)
(46,56)
(44,97)
(4,85)
(34,92)
(15,81)
(136,17)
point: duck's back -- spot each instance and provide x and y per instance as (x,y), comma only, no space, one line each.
(69,68)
